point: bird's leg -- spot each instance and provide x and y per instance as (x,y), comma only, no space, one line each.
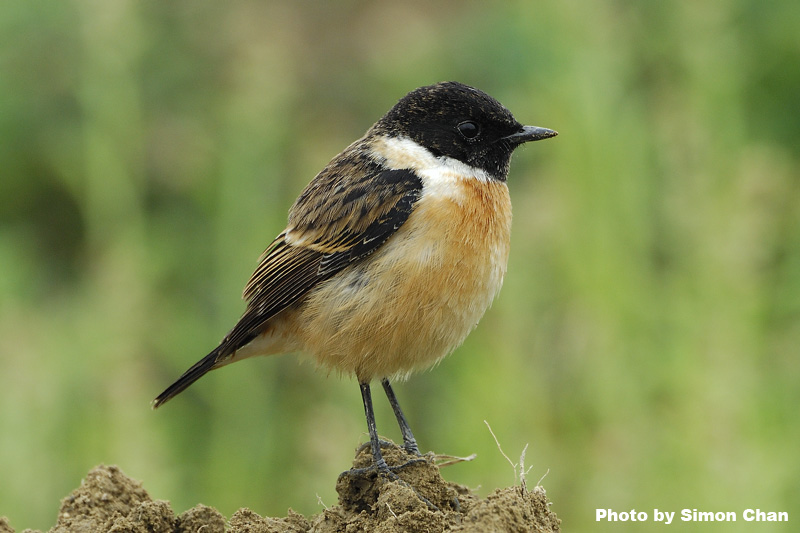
(375,443)
(379,462)
(377,456)
(409,442)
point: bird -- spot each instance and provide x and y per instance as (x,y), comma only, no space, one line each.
(392,253)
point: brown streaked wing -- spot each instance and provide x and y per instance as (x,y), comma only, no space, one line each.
(333,213)
(375,208)
(349,225)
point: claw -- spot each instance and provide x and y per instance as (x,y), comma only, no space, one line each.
(381,468)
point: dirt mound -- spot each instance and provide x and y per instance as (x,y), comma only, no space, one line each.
(419,501)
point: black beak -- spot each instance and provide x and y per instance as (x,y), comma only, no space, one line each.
(530,133)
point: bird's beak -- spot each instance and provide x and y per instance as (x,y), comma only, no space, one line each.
(530,133)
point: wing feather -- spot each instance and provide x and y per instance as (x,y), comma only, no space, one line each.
(331,225)
(309,253)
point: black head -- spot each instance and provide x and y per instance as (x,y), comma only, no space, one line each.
(454,120)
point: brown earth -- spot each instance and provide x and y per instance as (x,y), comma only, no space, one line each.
(419,501)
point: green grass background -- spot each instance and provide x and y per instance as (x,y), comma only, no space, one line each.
(645,343)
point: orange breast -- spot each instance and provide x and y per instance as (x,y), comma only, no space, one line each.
(415,299)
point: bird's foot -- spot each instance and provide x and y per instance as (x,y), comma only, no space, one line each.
(409,446)
(380,468)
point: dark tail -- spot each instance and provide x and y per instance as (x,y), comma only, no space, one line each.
(197,371)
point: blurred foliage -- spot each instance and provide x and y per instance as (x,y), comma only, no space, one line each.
(646,340)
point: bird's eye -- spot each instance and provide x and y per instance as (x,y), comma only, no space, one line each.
(468,129)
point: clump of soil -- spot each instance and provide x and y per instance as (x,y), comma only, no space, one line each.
(419,500)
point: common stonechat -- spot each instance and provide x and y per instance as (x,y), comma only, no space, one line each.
(392,253)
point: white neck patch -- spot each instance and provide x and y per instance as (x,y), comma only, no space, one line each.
(402,152)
